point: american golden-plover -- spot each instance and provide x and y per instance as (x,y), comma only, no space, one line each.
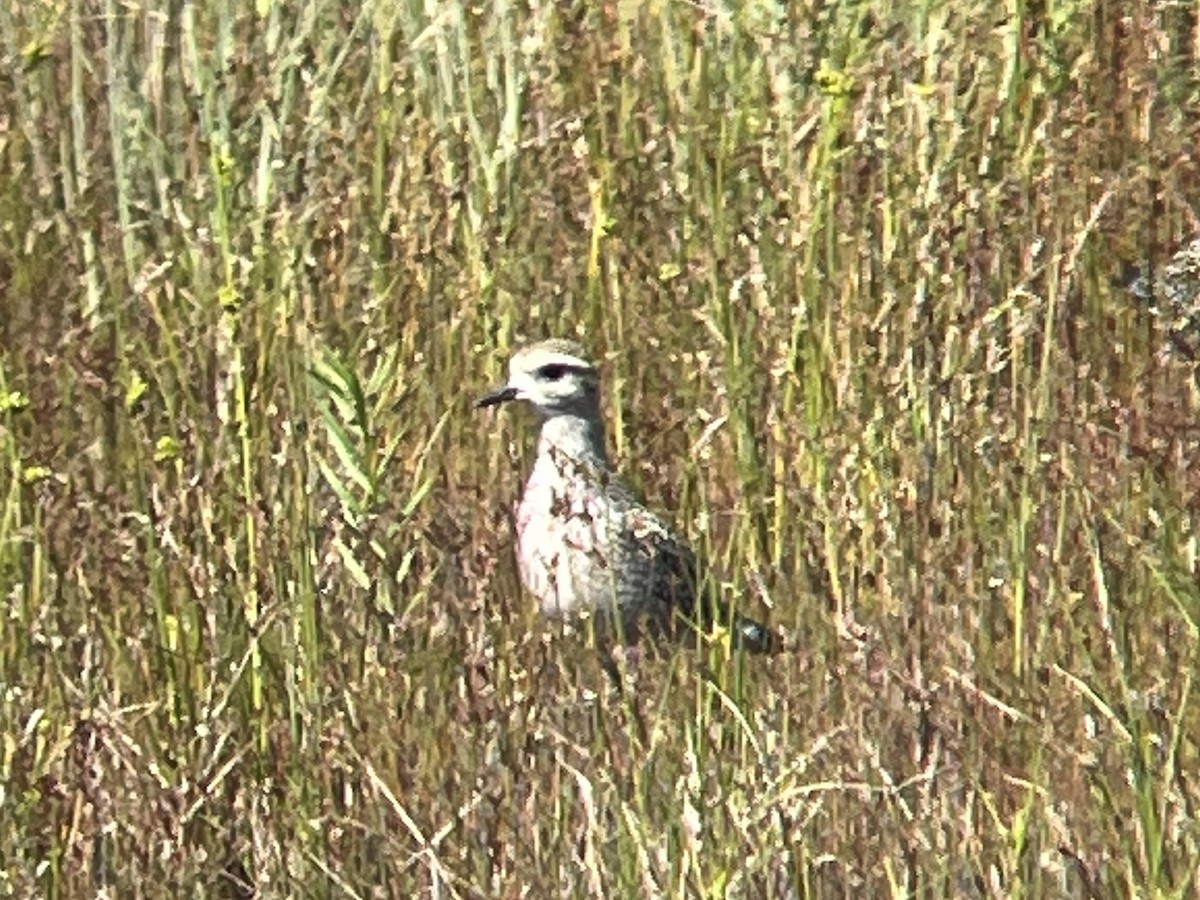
(585,542)
(1173,297)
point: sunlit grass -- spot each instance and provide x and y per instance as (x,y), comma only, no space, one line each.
(848,271)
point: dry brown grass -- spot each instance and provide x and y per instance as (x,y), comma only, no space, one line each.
(849,269)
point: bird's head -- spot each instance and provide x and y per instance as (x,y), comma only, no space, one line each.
(554,378)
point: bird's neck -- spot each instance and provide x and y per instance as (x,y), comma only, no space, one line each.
(578,437)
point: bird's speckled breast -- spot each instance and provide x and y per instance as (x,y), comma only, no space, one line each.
(584,542)
(565,537)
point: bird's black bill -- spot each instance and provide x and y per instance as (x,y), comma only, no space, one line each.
(500,395)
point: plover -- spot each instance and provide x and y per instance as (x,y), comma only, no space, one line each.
(585,541)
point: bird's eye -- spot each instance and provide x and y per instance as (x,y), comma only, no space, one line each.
(552,372)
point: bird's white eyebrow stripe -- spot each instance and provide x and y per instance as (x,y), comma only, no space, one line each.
(570,363)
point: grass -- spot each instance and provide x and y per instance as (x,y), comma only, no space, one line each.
(848,270)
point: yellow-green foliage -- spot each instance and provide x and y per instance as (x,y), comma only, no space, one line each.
(849,270)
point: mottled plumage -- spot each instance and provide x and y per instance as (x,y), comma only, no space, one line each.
(1173,297)
(584,539)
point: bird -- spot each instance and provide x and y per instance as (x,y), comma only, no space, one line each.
(586,543)
(1172,294)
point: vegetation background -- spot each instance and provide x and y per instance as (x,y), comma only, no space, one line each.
(848,268)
